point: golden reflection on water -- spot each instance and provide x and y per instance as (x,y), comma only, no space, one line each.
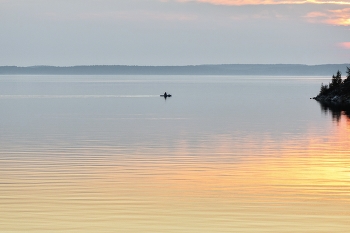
(225,184)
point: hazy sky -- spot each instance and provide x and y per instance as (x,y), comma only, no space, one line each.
(173,32)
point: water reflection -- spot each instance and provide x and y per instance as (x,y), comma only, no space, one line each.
(139,165)
(219,184)
(336,110)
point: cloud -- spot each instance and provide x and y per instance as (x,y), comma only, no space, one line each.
(316,11)
(339,17)
(137,15)
(140,15)
(345,45)
(267,2)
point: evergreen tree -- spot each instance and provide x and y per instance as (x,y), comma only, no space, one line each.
(336,80)
(324,89)
(347,75)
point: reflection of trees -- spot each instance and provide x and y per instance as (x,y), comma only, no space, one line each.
(337,110)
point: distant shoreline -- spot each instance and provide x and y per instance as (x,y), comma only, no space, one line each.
(226,69)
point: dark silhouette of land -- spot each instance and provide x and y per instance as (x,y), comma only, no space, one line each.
(233,69)
(337,92)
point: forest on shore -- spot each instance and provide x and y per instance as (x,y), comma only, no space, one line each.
(337,91)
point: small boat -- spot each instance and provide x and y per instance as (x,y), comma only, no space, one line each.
(165,96)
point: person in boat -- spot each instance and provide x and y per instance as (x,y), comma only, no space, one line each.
(165,94)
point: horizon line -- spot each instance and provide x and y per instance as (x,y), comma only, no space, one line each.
(299,64)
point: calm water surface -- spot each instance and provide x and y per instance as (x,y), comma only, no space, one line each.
(224,154)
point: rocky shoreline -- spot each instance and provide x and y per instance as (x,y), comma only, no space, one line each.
(333,99)
(336,92)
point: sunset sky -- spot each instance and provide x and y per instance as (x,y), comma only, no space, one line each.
(173,32)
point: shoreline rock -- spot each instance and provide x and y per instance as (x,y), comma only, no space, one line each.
(333,99)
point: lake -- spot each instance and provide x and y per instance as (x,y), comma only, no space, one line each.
(223,154)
